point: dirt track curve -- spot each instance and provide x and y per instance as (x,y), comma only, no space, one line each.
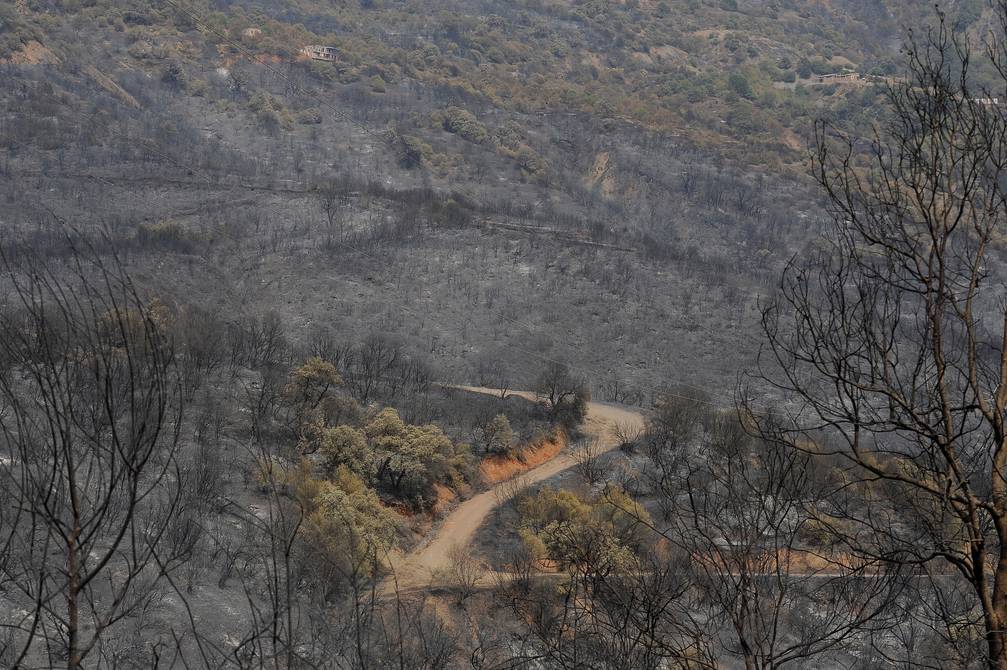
(424,566)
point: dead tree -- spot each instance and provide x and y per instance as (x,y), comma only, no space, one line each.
(465,572)
(90,411)
(587,455)
(649,617)
(332,200)
(494,372)
(740,518)
(890,341)
(564,394)
(372,365)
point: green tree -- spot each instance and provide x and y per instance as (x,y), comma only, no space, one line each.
(497,435)
(386,424)
(345,446)
(740,84)
(307,394)
(349,530)
(410,459)
(310,384)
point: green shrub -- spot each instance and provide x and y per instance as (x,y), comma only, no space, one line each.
(308,116)
(531,163)
(270,111)
(738,83)
(464,123)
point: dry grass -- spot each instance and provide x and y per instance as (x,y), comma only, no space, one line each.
(495,469)
(445,496)
(32,53)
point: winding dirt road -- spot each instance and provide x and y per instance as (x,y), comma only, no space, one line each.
(423,566)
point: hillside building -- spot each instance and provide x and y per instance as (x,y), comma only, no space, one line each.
(319,52)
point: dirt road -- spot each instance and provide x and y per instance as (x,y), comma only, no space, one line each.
(422,566)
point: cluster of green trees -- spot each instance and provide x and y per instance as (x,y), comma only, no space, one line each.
(381,450)
(561,527)
(270,112)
